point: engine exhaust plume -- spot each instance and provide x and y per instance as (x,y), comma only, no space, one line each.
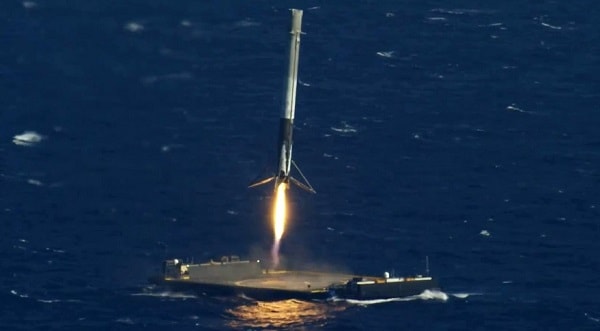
(279,218)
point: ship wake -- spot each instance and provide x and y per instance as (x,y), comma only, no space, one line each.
(425,296)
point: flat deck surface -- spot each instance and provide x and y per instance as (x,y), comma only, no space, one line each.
(295,280)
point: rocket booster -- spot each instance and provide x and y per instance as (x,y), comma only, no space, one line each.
(286,123)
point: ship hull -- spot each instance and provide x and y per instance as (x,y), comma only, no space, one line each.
(225,290)
(249,279)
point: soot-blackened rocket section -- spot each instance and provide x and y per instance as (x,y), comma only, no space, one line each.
(286,123)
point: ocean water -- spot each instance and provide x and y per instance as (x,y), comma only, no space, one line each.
(457,131)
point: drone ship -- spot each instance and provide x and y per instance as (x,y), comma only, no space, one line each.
(231,276)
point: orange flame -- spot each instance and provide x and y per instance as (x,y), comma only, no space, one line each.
(279,218)
(279,212)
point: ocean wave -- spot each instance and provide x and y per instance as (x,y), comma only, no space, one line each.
(28,138)
(425,296)
(166,294)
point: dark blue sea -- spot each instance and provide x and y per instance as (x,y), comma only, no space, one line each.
(464,132)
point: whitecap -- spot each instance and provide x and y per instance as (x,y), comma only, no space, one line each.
(345,129)
(386,54)
(460,295)
(125,320)
(246,23)
(485,233)
(134,27)
(553,27)
(168,148)
(29,4)
(27,138)
(378,301)
(166,294)
(513,107)
(243,296)
(591,318)
(461,11)
(34,182)
(426,295)
(433,295)
(303,83)
(13,292)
